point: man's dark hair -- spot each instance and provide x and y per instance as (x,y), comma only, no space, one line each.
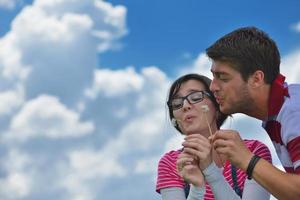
(247,49)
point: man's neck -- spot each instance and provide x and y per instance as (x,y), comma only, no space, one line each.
(261,103)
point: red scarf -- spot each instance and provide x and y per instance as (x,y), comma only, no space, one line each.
(278,92)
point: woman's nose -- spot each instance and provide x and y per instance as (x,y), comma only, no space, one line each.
(186,105)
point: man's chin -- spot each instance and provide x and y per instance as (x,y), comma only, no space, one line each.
(225,110)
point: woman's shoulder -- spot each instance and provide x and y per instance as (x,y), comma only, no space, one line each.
(259,148)
(254,143)
(171,155)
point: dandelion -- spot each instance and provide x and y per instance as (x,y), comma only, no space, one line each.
(205,109)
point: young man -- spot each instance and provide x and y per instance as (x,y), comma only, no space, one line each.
(246,79)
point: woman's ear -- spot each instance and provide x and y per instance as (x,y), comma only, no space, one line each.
(174,122)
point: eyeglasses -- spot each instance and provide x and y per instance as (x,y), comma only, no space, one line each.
(192,98)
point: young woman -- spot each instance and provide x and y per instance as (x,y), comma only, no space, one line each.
(196,171)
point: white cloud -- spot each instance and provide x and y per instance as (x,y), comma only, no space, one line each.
(9,101)
(112,23)
(142,94)
(175,142)
(9,4)
(16,161)
(15,186)
(139,131)
(17,183)
(46,116)
(85,168)
(290,66)
(53,45)
(146,166)
(296,27)
(114,82)
(201,65)
(12,71)
(48,68)
(142,131)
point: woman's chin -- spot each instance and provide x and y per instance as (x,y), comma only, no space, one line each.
(193,130)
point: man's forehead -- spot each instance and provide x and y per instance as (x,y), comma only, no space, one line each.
(221,68)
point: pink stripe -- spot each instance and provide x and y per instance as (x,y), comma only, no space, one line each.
(169,177)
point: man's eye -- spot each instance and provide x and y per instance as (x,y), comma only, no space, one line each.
(223,77)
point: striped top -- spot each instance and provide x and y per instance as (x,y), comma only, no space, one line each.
(283,124)
(169,177)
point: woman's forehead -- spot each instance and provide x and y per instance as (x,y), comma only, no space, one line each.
(192,85)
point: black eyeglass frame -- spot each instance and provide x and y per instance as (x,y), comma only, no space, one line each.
(204,93)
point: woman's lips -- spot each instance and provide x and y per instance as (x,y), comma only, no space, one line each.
(189,118)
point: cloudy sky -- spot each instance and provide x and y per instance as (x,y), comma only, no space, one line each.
(83,85)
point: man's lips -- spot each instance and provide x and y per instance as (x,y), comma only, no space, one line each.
(219,100)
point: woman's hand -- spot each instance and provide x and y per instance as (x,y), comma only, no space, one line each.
(199,147)
(189,170)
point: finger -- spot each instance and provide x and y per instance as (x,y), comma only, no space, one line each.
(184,155)
(197,139)
(222,150)
(184,160)
(180,163)
(198,145)
(199,154)
(226,134)
(194,136)
(220,143)
(190,167)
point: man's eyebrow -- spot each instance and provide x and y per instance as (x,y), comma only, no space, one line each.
(217,73)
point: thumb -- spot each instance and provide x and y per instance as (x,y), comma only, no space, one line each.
(211,138)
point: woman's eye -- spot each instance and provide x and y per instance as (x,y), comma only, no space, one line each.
(196,98)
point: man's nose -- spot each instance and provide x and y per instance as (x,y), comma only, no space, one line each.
(213,86)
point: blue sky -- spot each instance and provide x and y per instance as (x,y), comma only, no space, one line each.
(189,27)
(83,85)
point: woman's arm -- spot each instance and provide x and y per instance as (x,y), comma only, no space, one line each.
(223,191)
(220,187)
(173,193)
(196,193)
(252,190)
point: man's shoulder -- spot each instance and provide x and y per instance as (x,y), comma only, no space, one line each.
(294,90)
(291,103)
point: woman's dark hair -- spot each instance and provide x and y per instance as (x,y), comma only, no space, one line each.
(206,82)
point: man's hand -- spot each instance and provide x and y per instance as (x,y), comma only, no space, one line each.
(230,144)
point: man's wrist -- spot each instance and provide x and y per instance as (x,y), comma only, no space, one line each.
(251,166)
(246,162)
